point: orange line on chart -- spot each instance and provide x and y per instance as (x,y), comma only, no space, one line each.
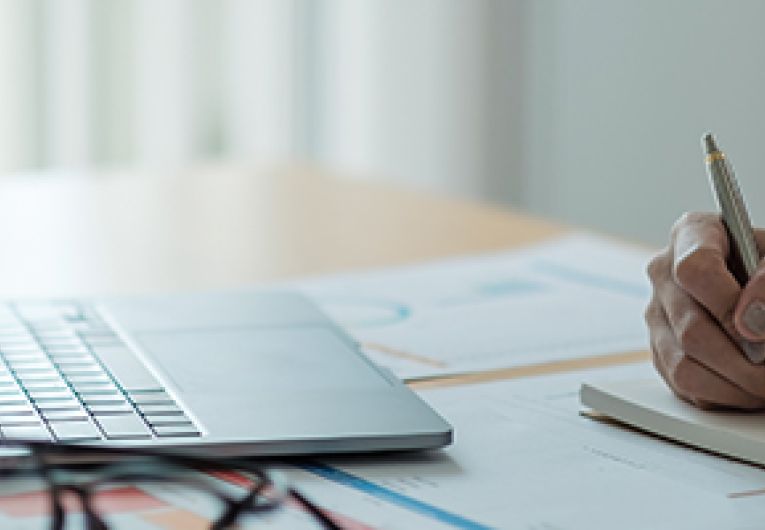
(403,354)
(530,370)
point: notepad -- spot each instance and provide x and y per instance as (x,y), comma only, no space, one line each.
(649,405)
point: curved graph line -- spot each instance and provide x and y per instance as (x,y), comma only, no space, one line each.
(359,312)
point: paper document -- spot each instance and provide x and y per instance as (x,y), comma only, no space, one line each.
(523,458)
(574,296)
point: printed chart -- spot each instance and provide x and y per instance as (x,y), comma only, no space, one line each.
(576,296)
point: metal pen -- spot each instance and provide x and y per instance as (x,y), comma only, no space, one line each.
(744,255)
(735,217)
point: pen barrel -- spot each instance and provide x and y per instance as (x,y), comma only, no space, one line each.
(744,252)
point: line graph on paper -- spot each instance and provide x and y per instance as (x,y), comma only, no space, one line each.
(577,296)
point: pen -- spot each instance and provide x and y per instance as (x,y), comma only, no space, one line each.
(744,255)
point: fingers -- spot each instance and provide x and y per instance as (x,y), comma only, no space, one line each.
(749,315)
(700,249)
(700,337)
(689,379)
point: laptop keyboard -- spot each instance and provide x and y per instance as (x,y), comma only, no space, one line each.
(66,375)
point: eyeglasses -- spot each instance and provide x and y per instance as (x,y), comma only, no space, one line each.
(62,479)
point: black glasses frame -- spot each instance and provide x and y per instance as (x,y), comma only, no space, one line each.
(98,466)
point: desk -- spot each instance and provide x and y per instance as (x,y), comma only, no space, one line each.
(221,227)
(225,227)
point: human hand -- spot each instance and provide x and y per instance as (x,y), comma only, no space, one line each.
(701,320)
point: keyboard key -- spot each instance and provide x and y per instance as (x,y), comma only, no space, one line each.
(160,410)
(69,371)
(25,356)
(10,421)
(110,408)
(154,396)
(96,389)
(46,402)
(124,427)
(29,354)
(45,376)
(62,331)
(21,337)
(79,361)
(44,396)
(26,432)
(45,408)
(75,430)
(159,420)
(126,368)
(156,404)
(7,409)
(13,399)
(99,378)
(56,385)
(45,324)
(18,343)
(60,343)
(65,415)
(59,352)
(22,371)
(36,361)
(180,430)
(105,399)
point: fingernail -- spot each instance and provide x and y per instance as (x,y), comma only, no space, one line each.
(754,317)
(754,351)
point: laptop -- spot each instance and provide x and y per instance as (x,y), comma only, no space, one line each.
(220,374)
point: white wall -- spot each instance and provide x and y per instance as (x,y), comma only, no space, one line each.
(402,90)
(617,94)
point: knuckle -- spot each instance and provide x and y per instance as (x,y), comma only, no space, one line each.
(693,218)
(696,267)
(658,265)
(651,313)
(683,375)
(753,381)
(690,332)
(648,314)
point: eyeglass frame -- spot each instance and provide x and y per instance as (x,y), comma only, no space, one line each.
(81,457)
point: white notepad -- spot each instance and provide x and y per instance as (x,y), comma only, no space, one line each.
(650,406)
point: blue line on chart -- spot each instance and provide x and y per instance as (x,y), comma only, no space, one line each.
(355,311)
(515,287)
(388,495)
(591,279)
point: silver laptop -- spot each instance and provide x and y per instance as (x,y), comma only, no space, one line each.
(224,374)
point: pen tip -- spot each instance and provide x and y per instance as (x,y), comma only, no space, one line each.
(709,143)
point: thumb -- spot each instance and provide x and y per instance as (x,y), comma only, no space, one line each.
(749,316)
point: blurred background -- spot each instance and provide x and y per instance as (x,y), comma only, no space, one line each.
(586,111)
